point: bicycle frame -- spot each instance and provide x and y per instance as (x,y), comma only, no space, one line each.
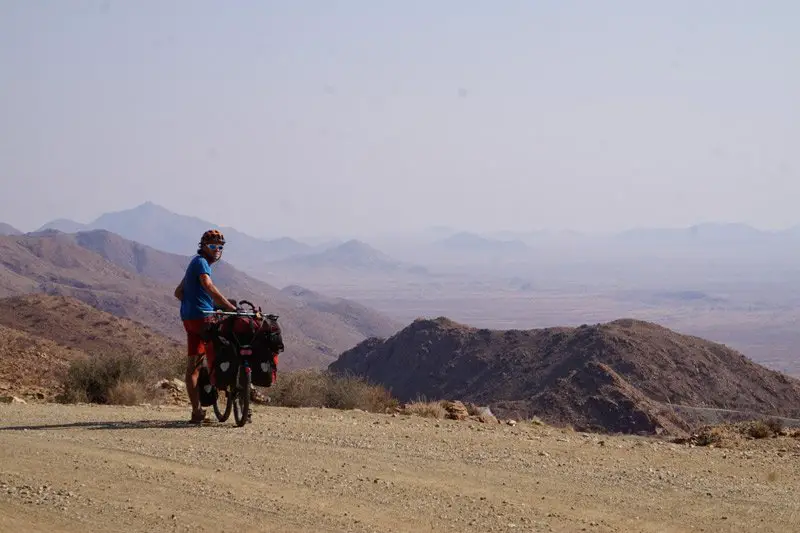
(242,386)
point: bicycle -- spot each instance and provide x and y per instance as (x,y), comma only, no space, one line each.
(234,352)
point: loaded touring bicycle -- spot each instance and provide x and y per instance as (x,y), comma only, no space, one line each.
(246,346)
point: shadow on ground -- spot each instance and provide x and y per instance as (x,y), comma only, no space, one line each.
(139,424)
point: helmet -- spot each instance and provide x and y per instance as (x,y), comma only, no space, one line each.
(212,236)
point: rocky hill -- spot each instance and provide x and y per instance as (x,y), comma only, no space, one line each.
(41,334)
(135,281)
(621,376)
(79,326)
(31,365)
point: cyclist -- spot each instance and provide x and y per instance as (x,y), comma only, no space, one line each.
(198,294)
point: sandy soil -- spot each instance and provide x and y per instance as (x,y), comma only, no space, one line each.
(143,469)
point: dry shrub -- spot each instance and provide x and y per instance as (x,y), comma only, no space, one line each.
(112,378)
(717,436)
(759,430)
(709,437)
(775,425)
(321,388)
(350,392)
(425,409)
(130,393)
(730,435)
(473,409)
(301,388)
(763,429)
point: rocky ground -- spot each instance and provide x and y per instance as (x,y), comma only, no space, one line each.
(141,469)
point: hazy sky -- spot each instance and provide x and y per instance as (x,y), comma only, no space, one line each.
(299,117)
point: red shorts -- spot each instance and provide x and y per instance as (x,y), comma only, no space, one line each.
(195,343)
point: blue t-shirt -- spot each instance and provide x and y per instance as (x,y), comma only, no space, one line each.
(196,299)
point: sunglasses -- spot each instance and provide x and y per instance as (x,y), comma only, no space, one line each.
(215,247)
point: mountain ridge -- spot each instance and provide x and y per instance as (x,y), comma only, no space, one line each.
(352,255)
(619,376)
(151,224)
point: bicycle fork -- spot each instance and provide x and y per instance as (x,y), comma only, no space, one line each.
(243,376)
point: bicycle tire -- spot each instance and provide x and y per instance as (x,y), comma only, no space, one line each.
(241,398)
(222,416)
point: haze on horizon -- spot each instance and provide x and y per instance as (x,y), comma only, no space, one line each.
(299,118)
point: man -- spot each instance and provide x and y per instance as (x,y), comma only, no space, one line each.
(198,294)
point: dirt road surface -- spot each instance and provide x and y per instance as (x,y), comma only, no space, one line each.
(143,469)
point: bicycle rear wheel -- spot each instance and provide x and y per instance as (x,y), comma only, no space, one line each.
(241,397)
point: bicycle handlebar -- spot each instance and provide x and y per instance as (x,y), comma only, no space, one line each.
(241,313)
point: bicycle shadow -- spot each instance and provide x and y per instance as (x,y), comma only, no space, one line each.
(115,425)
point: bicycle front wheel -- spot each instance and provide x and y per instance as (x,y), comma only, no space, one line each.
(222,416)
(241,399)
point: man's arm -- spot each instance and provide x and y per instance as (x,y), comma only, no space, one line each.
(179,291)
(219,299)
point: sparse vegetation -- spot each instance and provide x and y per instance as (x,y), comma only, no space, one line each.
(425,409)
(320,388)
(775,425)
(727,435)
(759,430)
(127,392)
(123,379)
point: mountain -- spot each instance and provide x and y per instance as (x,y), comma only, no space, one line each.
(465,241)
(352,262)
(7,229)
(619,376)
(63,225)
(41,334)
(132,280)
(162,229)
(353,255)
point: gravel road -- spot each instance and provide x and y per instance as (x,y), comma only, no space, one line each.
(143,469)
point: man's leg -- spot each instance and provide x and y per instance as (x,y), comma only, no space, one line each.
(194,360)
(193,363)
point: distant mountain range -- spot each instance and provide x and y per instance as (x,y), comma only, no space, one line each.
(162,229)
(440,248)
(156,226)
(465,241)
(354,256)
